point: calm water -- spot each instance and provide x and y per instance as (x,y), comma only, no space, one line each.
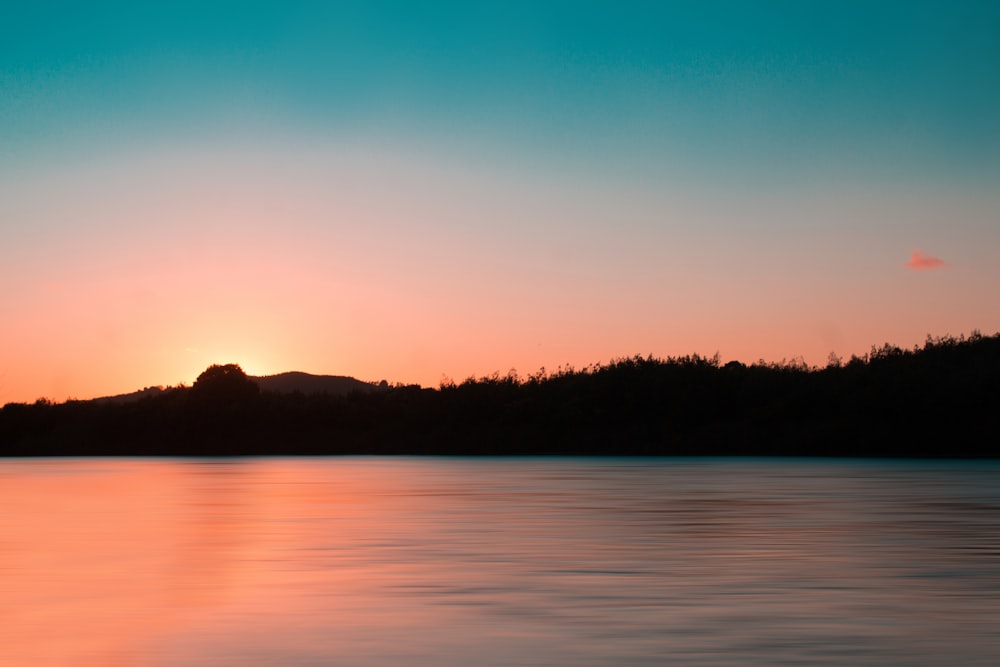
(396,561)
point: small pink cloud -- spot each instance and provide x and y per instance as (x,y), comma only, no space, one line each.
(921,261)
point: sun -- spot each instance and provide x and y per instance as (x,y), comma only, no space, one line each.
(253,363)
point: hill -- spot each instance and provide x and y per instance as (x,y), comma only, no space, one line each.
(334,385)
(132,396)
(286,383)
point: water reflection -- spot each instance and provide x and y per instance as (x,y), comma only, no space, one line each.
(308,562)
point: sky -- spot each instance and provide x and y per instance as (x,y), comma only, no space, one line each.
(422,191)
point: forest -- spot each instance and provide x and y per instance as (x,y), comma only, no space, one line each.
(941,400)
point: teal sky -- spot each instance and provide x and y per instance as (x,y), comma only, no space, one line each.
(722,87)
(691,174)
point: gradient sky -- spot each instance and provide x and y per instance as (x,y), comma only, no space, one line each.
(413,191)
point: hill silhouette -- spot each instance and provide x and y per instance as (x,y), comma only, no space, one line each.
(334,385)
(293,381)
(132,396)
(936,401)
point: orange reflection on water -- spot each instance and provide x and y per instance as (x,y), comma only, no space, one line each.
(136,563)
(98,560)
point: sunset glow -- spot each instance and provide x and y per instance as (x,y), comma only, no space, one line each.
(413,194)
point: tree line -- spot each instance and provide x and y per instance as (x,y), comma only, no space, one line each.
(938,400)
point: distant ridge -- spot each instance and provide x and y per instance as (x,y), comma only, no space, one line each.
(282,383)
(132,397)
(334,385)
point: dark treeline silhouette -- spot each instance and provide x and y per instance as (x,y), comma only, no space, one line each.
(941,400)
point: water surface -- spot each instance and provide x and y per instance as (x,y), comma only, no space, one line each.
(399,561)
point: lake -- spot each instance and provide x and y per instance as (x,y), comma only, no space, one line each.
(321,562)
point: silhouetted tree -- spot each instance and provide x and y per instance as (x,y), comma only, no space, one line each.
(224,384)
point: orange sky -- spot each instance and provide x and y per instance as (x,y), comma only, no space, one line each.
(139,274)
